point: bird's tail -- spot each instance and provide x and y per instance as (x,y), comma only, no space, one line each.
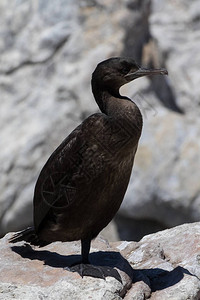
(29,235)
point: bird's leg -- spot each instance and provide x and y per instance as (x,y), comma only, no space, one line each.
(85,249)
(85,268)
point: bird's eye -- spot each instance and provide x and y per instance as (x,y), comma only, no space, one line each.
(125,70)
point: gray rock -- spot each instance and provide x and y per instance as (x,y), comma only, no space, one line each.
(177,33)
(48,52)
(163,266)
(165,180)
(47,59)
(166,264)
(37,273)
(164,190)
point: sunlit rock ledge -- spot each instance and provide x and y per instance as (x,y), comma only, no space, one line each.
(164,265)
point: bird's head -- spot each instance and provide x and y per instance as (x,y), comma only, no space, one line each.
(114,72)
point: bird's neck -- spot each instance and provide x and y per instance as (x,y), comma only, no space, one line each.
(119,108)
(104,98)
(113,104)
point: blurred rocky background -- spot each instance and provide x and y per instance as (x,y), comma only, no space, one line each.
(48,50)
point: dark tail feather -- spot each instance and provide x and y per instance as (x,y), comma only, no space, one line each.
(29,235)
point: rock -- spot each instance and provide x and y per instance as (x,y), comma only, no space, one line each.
(47,59)
(168,260)
(164,265)
(164,186)
(164,190)
(48,52)
(180,22)
(38,272)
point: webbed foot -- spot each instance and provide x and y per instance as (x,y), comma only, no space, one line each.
(94,271)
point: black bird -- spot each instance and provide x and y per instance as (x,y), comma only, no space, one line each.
(82,185)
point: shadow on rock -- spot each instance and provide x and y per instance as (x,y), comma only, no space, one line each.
(104,264)
(159,279)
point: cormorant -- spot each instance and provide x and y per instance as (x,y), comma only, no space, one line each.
(82,185)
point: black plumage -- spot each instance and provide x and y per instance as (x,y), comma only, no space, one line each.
(82,185)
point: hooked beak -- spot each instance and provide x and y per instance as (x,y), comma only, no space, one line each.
(145,72)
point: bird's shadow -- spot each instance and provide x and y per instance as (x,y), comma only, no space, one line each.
(155,278)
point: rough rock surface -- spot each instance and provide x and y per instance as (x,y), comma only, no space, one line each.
(46,62)
(48,51)
(164,265)
(164,187)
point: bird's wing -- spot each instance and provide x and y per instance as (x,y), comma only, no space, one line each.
(69,166)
